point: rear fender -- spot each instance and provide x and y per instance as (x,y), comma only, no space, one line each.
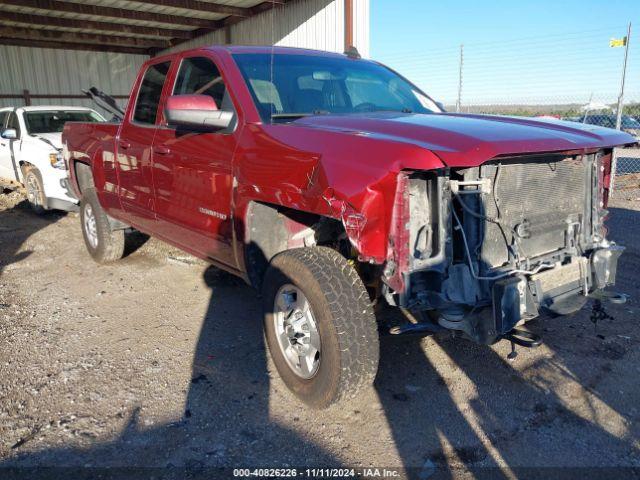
(90,144)
(82,177)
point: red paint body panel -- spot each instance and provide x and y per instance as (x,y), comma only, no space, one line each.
(191,102)
(192,176)
(470,140)
(95,145)
(194,190)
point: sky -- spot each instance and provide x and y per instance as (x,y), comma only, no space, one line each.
(514,51)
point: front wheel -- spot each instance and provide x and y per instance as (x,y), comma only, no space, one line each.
(319,325)
(35,191)
(103,244)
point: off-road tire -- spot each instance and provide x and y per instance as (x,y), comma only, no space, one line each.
(38,205)
(345,321)
(110,243)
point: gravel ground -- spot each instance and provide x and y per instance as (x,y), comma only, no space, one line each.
(159,361)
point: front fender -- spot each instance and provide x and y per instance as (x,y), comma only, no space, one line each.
(346,176)
(36,155)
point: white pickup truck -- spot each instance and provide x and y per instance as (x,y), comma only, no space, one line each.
(31,152)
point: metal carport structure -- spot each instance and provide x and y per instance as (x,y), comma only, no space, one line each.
(51,49)
(137,27)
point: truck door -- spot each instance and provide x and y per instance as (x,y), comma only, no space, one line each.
(133,157)
(192,171)
(9,167)
(6,170)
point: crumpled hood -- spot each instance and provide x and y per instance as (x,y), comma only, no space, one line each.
(463,140)
(54,139)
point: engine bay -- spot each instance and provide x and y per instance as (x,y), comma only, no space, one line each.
(489,247)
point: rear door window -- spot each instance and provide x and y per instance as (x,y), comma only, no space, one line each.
(3,119)
(146,110)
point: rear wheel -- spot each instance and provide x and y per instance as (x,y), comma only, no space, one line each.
(35,190)
(104,244)
(319,325)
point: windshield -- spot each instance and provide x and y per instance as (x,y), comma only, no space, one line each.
(299,85)
(52,121)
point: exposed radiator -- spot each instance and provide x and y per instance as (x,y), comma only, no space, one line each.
(538,197)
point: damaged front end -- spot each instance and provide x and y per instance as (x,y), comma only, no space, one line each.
(486,248)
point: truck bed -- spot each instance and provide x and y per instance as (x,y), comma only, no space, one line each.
(89,142)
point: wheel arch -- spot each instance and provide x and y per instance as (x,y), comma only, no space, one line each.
(24,165)
(82,176)
(271,229)
(39,204)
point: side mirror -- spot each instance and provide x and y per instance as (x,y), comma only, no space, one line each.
(10,134)
(196,111)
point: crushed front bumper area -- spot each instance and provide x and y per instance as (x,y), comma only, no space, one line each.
(489,247)
(516,299)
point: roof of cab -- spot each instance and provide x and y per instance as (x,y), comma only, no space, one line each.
(240,49)
(244,49)
(36,108)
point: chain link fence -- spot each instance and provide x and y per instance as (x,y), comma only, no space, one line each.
(572,76)
(626,160)
(626,184)
(598,113)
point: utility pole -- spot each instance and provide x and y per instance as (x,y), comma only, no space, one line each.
(459,101)
(624,74)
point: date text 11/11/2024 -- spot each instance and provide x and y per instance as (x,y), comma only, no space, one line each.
(370,472)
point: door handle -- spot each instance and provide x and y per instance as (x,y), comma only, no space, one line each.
(124,145)
(162,150)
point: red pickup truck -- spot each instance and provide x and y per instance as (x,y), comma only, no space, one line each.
(333,184)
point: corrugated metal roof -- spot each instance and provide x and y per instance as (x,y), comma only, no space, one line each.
(77,16)
(170,22)
(55,28)
(147,7)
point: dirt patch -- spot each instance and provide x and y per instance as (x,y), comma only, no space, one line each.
(159,360)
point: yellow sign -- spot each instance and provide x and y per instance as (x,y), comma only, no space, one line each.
(618,42)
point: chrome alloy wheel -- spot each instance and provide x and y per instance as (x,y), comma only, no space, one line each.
(297,331)
(33,190)
(90,226)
